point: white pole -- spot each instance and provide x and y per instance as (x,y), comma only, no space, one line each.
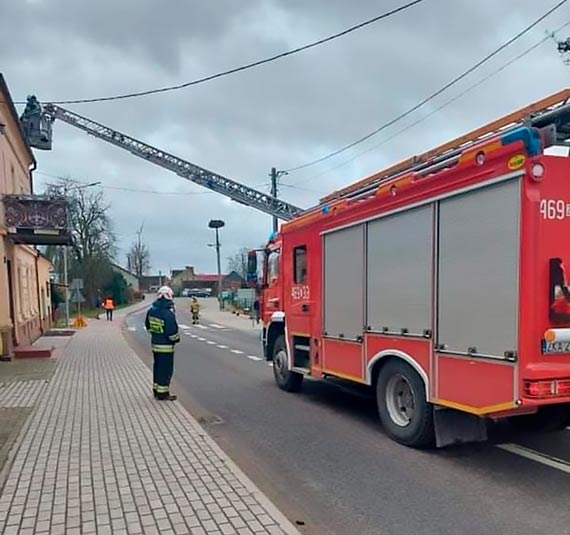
(65,281)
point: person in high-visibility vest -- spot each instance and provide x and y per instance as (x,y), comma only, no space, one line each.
(161,323)
(195,311)
(109,306)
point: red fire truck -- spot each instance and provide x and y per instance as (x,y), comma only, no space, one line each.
(439,282)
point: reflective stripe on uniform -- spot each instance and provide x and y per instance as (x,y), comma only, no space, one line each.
(162,389)
(156,325)
(174,337)
(159,348)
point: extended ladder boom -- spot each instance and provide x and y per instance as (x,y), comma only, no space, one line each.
(208,179)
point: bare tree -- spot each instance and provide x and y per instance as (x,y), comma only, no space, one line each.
(93,242)
(238,262)
(138,257)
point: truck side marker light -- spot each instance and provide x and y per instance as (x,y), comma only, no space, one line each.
(538,172)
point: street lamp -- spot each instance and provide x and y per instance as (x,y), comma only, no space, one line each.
(217,224)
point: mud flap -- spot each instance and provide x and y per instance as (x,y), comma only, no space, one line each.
(457,427)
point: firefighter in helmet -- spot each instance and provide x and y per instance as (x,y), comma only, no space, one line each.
(161,323)
(195,311)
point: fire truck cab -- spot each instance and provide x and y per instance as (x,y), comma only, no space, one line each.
(440,283)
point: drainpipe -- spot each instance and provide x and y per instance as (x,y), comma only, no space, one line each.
(42,330)
(33,167)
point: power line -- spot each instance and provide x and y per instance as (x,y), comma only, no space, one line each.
(248,65)
(436,110)
(432,96)
(135,190)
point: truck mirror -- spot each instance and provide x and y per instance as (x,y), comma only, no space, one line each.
(252,268)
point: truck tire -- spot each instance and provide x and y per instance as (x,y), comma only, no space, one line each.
(546,420)
(285,378)
(404,412)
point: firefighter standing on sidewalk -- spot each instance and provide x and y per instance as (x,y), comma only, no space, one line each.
(161,323)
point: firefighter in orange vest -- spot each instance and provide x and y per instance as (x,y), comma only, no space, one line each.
(109,306)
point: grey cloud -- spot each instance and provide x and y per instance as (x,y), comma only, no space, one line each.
(280,114)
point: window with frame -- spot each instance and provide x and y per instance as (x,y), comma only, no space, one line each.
(300,264)
(273,266)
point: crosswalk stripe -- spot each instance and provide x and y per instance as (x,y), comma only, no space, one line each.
(237,351)
(221,346)
(252,357)
(216,326)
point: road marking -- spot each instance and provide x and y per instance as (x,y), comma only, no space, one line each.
(216,326)
(201,339)
(223,347)
(548,460)
(270,364)
(200,326)
(237,351)
(132,328)
(209,342)
(252,357)
(183,326)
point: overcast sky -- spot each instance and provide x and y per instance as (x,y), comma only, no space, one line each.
(282,114)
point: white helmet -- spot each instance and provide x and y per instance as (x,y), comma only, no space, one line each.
(165,292)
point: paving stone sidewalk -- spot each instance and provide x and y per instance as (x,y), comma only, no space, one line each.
(100,455)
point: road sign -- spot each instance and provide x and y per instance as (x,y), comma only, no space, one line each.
(76,296)
(77,284)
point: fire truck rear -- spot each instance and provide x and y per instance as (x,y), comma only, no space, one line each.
(440,283)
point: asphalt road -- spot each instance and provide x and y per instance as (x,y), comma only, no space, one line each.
(322,457)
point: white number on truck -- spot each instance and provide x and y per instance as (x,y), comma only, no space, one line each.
(554,209)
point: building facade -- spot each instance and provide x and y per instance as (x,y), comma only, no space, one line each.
(188,279)
(131,278)
(24,221)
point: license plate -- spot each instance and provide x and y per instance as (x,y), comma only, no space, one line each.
(555,347)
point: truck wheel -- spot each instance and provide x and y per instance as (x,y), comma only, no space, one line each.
(547,419)
(404,412)
(285,378)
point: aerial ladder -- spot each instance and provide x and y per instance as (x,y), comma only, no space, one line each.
(37,124)
(550,115)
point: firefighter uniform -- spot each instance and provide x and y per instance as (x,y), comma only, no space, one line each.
(161,323)
(195,310)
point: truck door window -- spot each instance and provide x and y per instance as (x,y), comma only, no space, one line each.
(273,266)
(300,267)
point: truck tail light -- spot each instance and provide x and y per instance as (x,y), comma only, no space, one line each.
(539,389)
(547,389)
(563,387)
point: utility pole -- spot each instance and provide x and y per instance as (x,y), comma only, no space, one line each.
(217,224)
(274,192)
(66,282)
